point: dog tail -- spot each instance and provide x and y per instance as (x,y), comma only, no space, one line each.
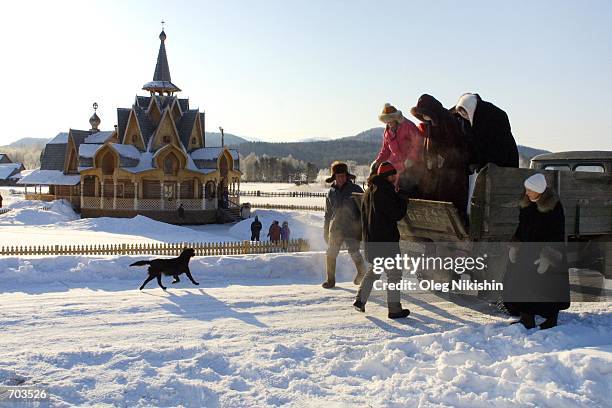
(141,263)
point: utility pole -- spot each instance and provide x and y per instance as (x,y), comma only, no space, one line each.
(222,136)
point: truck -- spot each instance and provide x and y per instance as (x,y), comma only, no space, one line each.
(583,181)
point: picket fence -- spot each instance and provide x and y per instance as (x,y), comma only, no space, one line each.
(287,207)
(171,249)
(257,193)
(5,210)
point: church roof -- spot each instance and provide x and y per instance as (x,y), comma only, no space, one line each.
(99,137)
(123,114)
(184,104)
(53,155)
(161,78)
(143,101)
(146,126)
(185,126)
(78,136)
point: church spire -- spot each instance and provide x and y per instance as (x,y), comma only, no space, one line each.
(161,78)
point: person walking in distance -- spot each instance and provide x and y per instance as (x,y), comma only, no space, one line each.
(342,222)
(256,229)
(381,209)
(285,235)
(274,232)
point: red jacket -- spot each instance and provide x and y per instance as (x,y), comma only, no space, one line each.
(404,143)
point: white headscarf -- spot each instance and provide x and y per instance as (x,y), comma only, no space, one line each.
(468,102)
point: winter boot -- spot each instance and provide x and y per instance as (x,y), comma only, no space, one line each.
(331,273)
(360,307)
(550,322)
(527,320)
(396,311)
(361,269)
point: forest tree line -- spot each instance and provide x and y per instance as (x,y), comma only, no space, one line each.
(277,169)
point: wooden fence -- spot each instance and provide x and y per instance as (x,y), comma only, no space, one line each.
(170,249)
(280,193)
(4,210)
(288,207)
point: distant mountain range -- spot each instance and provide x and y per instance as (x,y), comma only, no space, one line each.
(28,141)
(213,139)
(360,148)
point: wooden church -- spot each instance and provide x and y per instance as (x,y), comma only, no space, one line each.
(154,162)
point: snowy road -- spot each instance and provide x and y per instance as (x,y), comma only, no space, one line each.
(260,331)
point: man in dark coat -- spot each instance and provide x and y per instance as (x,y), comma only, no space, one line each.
(342,222)
(445,154)
(381,209)
(255,229)
(181,211)
(537,279)
(487,129)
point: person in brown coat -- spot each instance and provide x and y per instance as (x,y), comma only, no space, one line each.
(445,154)
(274,232)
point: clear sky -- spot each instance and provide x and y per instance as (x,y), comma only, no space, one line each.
(288,70)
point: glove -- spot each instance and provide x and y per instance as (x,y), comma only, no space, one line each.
(543,265)
(512,254)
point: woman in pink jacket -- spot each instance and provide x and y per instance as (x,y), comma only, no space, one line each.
(402,146)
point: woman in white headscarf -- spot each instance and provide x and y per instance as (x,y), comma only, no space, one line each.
(488,131)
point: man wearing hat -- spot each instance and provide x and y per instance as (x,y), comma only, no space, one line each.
(381,209)
(537,278)
(342,222)
(402,141)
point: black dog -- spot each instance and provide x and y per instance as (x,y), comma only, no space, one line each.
(174,267)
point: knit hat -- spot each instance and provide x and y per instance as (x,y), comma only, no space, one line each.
(339,167)
(386,169)
(468,102)
(390,114)
(536,183)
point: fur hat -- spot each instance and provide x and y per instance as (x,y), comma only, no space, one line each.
(536,183)
(390,114)
(427,105)
(339,167)
(386,169)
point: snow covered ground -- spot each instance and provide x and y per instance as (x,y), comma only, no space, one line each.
(29,224)
(260,331)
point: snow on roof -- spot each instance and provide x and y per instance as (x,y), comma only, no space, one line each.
(60,138)
(50,177)
(211,153)
(88,150)
(145,163)
(7,169)
(99,137)
(129,151)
